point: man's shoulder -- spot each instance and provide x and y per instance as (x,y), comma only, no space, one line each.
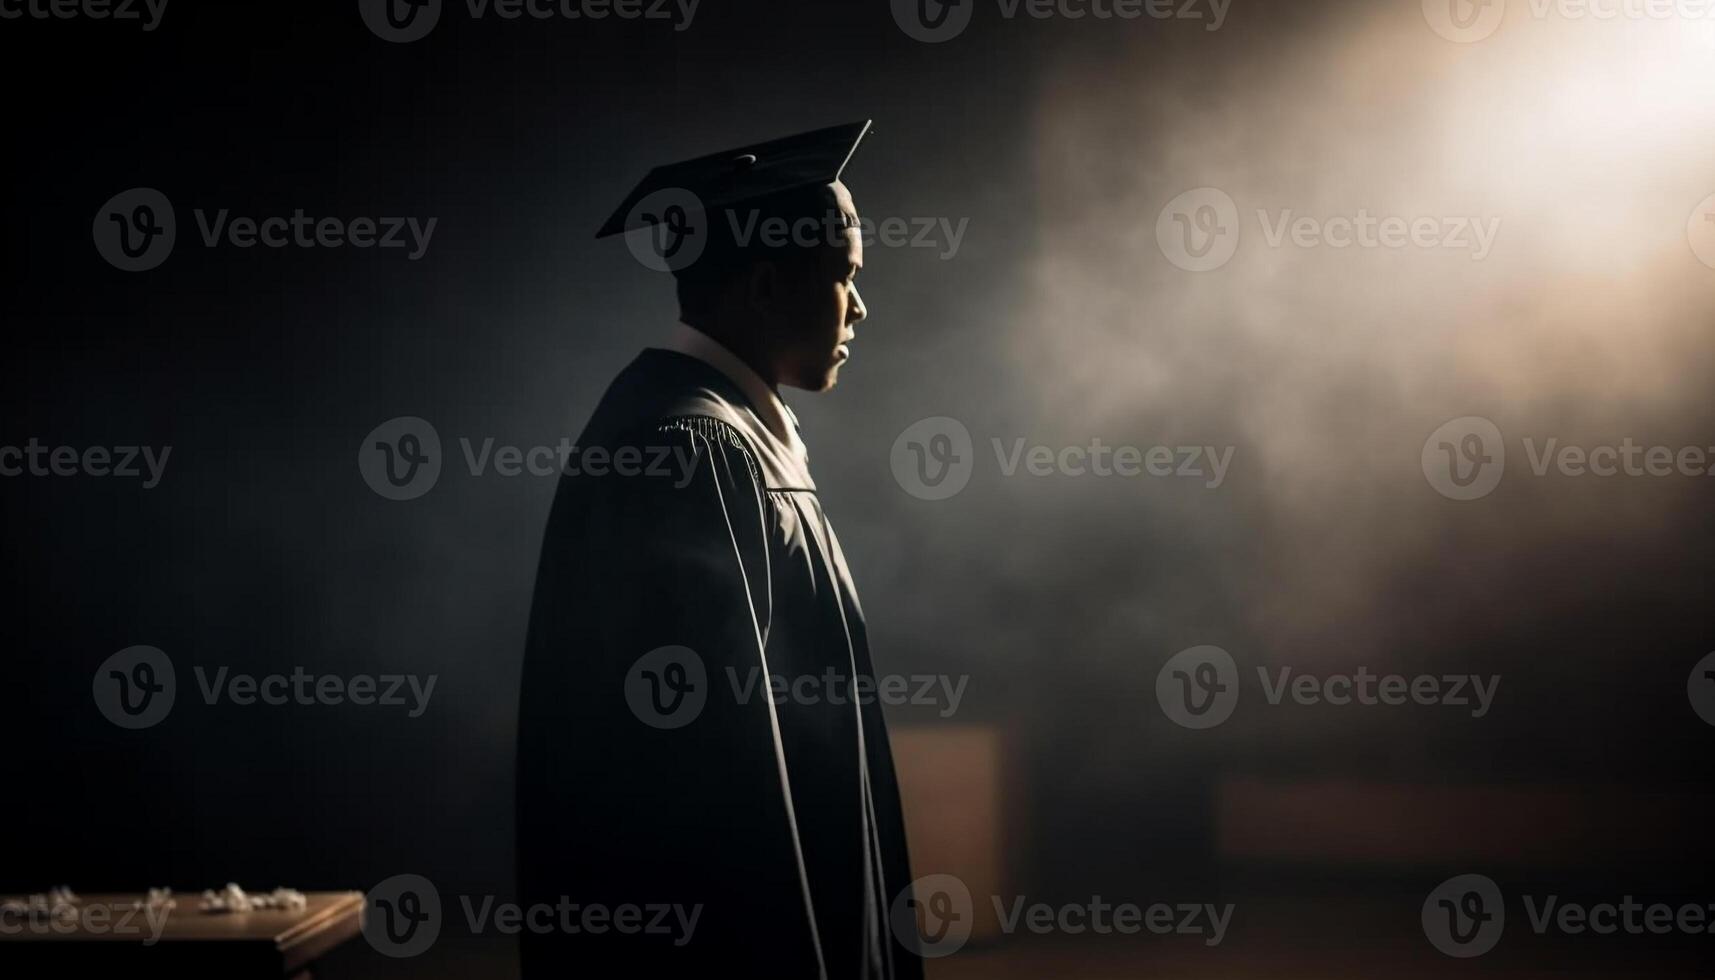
(663,391)
(665,398)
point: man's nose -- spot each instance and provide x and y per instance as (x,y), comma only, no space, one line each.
(857,311)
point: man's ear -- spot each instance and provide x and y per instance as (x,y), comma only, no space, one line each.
(762,285)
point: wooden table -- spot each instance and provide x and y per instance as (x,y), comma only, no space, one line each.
(108,937)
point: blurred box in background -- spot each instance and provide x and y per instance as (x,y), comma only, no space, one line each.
(960,809)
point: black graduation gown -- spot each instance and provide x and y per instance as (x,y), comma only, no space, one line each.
(780,820)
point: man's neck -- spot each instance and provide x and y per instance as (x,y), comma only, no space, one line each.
(764,400)
(738,341)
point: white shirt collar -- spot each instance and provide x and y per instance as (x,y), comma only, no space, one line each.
(764,401)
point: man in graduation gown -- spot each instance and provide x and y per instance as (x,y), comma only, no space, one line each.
(694,743)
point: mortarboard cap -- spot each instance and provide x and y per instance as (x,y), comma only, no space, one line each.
(749,175)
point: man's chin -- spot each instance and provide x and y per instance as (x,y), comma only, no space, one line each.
(824,381)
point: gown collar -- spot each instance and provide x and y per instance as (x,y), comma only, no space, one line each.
(764,401)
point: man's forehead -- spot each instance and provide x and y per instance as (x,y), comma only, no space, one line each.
(842,199)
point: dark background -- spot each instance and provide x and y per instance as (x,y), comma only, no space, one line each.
(1059,320)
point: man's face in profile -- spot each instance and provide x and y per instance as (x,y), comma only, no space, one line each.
(822,308)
